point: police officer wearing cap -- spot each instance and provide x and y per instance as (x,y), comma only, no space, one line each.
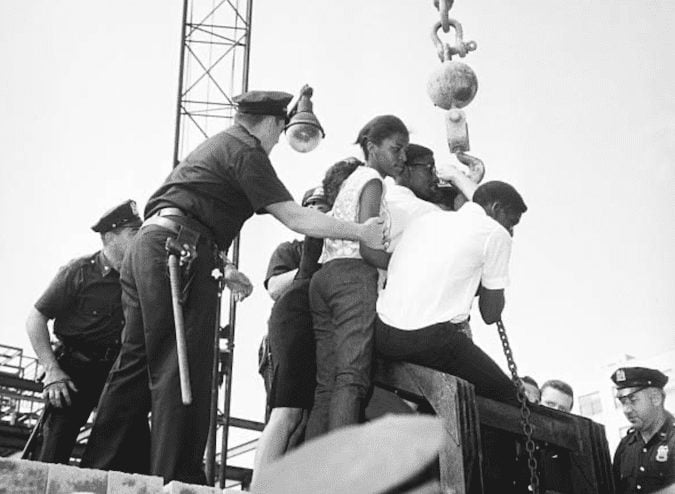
(84,302)
(644,461)
(207,198)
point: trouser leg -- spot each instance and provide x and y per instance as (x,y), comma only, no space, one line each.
(120,437)
(62,425)
(353,293)
(179,432)
(325,358)
(445,348)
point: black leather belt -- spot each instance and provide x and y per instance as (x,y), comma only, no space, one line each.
(180,219)
(93,353)
(167,223)
(171,212)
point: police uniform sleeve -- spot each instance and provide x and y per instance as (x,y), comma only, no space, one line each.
(496,261)
(285,258)
(60,294)
(259,181)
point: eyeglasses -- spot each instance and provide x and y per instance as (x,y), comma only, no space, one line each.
(430,167)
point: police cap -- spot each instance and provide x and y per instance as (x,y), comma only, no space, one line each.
(125,214)
(632,379)
(263,102)
(313,194)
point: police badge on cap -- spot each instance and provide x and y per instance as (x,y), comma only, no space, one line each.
(632,379)
(125,214)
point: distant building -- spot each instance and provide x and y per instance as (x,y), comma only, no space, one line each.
(595,395)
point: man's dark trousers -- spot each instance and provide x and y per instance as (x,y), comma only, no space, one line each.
(145,376)
(446,348)
(62,425)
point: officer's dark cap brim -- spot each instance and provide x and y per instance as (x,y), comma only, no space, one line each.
(638,377)
(263,103)
(123,215)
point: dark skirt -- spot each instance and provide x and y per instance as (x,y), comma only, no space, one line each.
(291,340)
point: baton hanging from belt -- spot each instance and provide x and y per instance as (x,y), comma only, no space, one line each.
(28,449)
(178,255)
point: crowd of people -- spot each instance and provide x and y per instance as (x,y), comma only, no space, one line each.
(394,254)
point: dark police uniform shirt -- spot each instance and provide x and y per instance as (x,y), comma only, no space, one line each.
(84,299)
(285,258)
(640,467)
(222,183)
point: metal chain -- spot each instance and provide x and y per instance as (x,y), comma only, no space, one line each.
(524,409)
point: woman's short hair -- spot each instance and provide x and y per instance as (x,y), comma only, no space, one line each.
(378,129)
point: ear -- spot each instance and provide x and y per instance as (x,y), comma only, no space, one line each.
(656,397)
(370,146)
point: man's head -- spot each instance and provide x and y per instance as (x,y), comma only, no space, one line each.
(419,172)
(557,394)
(263,113)
(531,389)
(640,391)
(315,198)
(117,227)
(501,202)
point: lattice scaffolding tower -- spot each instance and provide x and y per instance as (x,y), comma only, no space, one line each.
(214,67)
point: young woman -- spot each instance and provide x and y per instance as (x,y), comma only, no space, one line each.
(291,341)
(344,291)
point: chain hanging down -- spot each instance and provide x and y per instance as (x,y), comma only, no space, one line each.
(524,409)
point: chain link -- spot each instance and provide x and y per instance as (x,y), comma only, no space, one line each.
(524,409)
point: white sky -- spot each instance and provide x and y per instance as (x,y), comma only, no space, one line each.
(575,107)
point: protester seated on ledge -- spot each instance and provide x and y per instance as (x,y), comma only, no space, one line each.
(424,303)
(557,394)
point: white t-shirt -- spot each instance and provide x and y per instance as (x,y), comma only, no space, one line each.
(403,206)
(440,259)
(346,207)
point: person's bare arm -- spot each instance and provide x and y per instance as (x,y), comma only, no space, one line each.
(464,183)
(310,222)
(57,384)
(369,207)
(491,304)
(279,283)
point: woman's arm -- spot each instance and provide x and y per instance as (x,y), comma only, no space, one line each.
(369,207)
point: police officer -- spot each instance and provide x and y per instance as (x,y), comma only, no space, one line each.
(644,461)
(84,302)
(202,205)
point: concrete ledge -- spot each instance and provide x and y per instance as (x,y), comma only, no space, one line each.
(129,483)
(34,477)
(64,479)
(23,476)
(175,487)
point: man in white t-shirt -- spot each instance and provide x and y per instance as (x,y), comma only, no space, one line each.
(416,191)
(441,260)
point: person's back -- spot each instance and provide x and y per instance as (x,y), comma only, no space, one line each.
(450,247)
